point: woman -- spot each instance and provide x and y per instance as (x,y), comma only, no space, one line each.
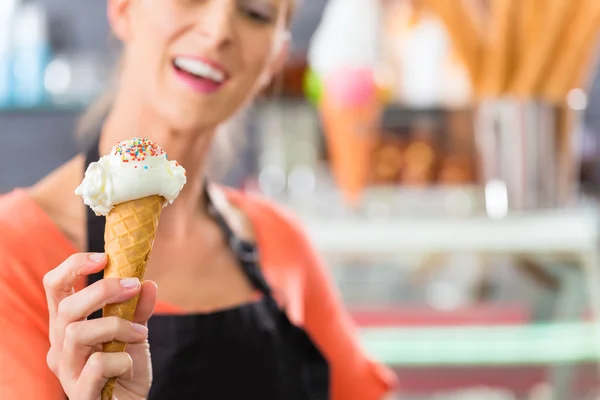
(227,323)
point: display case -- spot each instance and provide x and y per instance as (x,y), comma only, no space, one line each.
(460,305)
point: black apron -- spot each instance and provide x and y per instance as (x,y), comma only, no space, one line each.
(251,351)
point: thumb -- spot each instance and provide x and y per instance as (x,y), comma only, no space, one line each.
(146,303)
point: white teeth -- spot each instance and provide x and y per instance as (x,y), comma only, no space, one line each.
(200,69)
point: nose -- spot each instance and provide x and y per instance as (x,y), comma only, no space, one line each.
(217,22)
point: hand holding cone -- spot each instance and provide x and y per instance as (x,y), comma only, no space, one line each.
(130,187)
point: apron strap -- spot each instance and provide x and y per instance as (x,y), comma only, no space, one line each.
(246,252)
(95,226)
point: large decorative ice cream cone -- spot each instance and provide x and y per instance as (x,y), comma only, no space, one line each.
(130,186)
(344,59)
(350,113)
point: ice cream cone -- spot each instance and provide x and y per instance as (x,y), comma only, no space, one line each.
(128,237)
(351,133)
(130,187)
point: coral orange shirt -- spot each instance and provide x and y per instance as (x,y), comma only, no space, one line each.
(31,245)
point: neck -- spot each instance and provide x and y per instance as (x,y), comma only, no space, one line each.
(129,118)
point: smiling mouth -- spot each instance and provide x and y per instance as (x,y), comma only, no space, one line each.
(199,69)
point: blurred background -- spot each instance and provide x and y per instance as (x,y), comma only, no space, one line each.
(443,154)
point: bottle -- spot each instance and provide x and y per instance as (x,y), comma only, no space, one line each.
(31,55)
(7,15)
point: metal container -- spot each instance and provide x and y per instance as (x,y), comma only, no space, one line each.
(527,155)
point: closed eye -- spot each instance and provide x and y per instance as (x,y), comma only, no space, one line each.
(258,16)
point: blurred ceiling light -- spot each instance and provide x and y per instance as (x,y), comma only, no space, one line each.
(301,181)
(496,199)
(577,100)
(271,180)
(57,79)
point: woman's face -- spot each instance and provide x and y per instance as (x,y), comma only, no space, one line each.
(197,61)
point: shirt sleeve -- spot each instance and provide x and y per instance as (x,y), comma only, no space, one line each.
(23,328)
(353,375)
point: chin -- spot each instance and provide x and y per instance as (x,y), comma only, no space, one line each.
(188,111)
(192,120)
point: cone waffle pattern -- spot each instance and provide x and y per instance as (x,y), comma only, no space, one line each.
(128,240)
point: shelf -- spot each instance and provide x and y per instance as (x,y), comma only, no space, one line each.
(519,345)
(574,231)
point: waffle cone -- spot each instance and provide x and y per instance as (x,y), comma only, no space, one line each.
(128,240)
(351,133)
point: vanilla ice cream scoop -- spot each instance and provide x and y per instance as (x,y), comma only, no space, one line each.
(134,169)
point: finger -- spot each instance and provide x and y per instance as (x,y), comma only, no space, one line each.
(80,305)
(59,282)
(98,369)
(82,337)
(146,303)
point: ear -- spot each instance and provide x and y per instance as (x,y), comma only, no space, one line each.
(280,54)
(118,17)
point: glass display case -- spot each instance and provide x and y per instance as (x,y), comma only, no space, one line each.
(460,305)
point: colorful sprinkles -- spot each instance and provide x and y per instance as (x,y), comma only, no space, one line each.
(137,149)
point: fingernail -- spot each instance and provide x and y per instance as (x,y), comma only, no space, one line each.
(141,329)
(97,257)
(130,283)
